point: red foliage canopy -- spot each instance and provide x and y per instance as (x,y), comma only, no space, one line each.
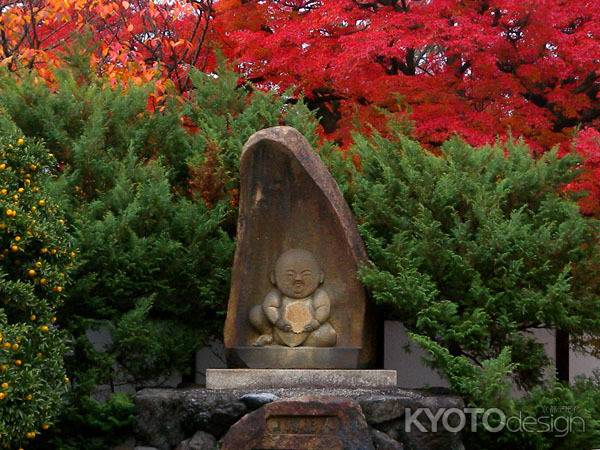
(587,144)
(480,68)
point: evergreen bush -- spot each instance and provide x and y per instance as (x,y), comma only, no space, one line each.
(473,249)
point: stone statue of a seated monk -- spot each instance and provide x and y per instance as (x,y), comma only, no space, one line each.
(296,311)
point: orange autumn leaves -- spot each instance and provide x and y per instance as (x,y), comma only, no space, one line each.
(128,41)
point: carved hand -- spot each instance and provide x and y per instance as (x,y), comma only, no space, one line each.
(283,325)
(312,326)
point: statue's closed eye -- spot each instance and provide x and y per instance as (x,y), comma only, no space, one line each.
(306,273)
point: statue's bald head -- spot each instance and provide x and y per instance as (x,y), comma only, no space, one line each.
(297,273)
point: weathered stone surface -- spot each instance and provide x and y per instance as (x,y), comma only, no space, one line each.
(159,415)
(291,210)
(296,311)
(379,409)
(310,422)
(165,417)
(290,378)
(382,441)
(387,413)
(200,441)
(295,358)
(254,401)
(212,414)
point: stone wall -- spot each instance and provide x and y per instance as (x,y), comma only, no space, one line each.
(199,418)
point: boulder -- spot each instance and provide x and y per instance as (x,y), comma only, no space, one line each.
(304,422)
(165,417)
(200,441)
(254,401)
(382,441)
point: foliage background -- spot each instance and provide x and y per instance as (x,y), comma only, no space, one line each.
(474,249)
(471,246)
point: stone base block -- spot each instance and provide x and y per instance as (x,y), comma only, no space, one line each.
(298,378)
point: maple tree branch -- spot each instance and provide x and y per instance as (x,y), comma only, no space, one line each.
(483,7)
(4,40)
(207,14)
(496,15)
(409,66)
(8,52)
(588,83)
(33,21)
(372,5)
(53,32)
(425,70)
(328,98)
(572,27)
(303,8)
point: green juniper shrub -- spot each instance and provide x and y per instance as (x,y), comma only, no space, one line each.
(150,262)
(472,249)
(567,418)
(36,254)
(90,424)
(226,113)
(89,125)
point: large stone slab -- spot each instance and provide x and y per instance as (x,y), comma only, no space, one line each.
(310,422)
(294,280)
(293,378)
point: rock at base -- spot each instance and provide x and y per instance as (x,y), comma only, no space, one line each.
(383,442)
(309,422)
(200,441)
(255,401)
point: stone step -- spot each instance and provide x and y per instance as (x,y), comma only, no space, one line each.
(298,378)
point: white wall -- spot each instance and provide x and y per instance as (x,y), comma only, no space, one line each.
(406,357)
(210,357)
(582,364)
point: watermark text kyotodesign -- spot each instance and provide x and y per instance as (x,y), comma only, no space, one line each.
(559,421)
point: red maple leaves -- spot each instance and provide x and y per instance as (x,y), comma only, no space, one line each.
(477,68)
(483,69)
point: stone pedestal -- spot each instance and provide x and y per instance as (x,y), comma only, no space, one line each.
(298,378)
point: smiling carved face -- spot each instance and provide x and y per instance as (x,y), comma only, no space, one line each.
(297,273)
